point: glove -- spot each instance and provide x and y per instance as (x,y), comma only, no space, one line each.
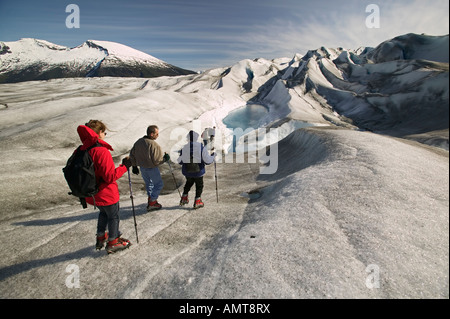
(166,157)
(135,170)
(127,162)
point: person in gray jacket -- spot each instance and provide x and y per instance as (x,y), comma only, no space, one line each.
(147,154)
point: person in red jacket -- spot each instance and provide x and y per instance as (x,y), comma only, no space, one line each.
(107,198)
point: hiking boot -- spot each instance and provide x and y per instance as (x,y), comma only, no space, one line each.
(125,241)
(198,203)
(153,205)
(117,244)
(184,200)
(101,240)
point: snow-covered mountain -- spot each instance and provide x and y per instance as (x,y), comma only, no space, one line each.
(33,59)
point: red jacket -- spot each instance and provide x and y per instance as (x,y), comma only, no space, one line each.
(105,169)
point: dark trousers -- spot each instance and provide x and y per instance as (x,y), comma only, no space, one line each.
(198,181)
(109,217)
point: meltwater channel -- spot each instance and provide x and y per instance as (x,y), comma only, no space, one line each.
(251,117)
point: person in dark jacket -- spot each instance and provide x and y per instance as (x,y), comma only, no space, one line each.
(193,158)
(107,198)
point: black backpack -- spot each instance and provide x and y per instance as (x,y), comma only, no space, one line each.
(192,167)
(80,174)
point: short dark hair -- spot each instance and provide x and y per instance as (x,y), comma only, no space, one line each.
(151,129)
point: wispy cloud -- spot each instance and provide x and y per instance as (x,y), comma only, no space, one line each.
(199,34)
(344,28)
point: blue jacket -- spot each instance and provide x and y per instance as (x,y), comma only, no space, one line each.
(199,155)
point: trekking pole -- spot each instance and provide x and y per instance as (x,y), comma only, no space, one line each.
(215,176)
(132,204)
(173,175)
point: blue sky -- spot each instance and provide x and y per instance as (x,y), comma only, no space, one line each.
(201,34)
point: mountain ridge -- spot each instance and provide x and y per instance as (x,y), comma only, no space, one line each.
(392,87)
(32,59)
